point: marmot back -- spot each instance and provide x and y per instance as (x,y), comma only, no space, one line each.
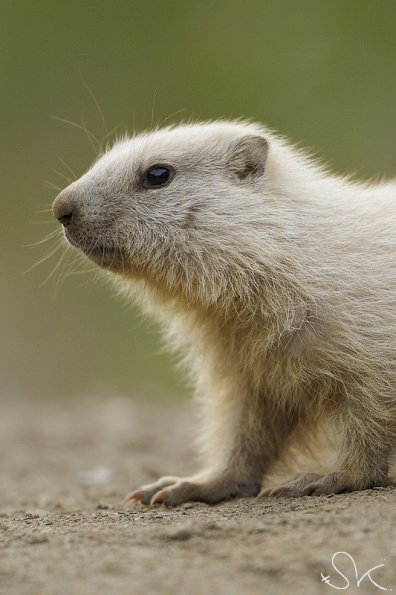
(277,282)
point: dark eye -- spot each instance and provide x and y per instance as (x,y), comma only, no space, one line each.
(157,176)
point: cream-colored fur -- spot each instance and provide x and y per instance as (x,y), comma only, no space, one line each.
(277,282)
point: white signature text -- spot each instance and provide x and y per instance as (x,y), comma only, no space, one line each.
(358,578)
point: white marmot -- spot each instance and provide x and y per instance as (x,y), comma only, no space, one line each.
(275,279)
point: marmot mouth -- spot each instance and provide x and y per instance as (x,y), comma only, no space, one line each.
(90,246)
(106,257)
(98,252)
(102,254)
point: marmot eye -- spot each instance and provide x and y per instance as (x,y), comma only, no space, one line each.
(156,176)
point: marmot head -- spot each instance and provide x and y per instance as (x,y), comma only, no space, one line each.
(175,206)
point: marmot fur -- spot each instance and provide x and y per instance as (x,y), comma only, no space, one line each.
(276,280)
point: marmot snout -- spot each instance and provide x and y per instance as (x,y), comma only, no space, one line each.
(277,282)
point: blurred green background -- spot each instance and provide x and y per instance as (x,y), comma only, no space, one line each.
(321,72)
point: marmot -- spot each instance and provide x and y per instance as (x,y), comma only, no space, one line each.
(274,278)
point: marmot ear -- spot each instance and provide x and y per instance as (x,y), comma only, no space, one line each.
(248,156)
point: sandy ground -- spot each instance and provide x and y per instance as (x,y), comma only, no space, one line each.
(65,467)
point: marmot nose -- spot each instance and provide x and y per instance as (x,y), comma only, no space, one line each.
(66,219)
(64,207)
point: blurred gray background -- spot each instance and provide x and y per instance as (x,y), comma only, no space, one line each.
(323,73)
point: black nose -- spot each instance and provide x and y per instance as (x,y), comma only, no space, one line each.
(64,207)
(66,219)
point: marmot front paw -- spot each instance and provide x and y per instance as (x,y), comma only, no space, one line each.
(173,490)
